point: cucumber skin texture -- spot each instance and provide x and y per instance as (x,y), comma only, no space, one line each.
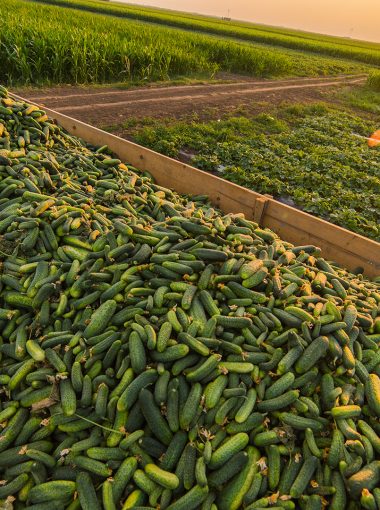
(372,391)
(57,489)
(154,418)
(336,449)
(274,466)
(100,318)
(247,407)
(233,445)
(174,451)
(280,386)
(339,499)
(280,402)
(304,477)
(288,475)
(226,472)
(189,410)
(137,353)
(131,393)
(13,486)
(108,501)
(301,423)
(191,500)
(86,492)
(346,412)
(214,391)
(162,477)
(312,354)
(68,397)
(137,497)
(367,478)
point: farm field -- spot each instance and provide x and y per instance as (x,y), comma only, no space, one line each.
(332,46)
(306,155)
(43,44)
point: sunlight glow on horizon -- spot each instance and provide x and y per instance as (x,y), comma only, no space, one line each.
(358,19)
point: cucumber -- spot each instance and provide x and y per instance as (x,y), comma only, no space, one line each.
(135,498)
(214,391)
(277,403)
(122,477)
(144,482)
(366,478)
(107,495)
(233,322)
(372,392)
(222,475)
(304,477)
(50,491)
(92,466)
(13,486)
(154,418)
(207,367)
(163,478)
(247,407)
(174,451)
(189,410)
(274,467)
(86,492)
(194,344)
(370,434)
(232,446)
(35,351)
(164,336)
(190,501)
(131,393)
(100,318)
(301,423)
(137,353)
(280,386)
(316,350)
(346,412)
(231,497)
(68,397)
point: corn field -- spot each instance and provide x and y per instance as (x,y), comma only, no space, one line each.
(40,44)
(361,51)
(374,81)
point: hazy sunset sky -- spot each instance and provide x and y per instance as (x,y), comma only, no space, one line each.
(356,18)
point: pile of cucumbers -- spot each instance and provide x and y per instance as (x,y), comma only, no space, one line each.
(156,354)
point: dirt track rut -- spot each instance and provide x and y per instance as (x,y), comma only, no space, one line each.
(111,106)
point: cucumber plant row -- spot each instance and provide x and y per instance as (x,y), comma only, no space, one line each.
(156,354)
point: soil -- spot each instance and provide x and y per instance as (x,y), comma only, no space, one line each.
(111,106)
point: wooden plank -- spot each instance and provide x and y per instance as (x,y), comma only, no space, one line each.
(344,247)
(259,212)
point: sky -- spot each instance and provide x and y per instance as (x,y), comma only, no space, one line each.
(359,19)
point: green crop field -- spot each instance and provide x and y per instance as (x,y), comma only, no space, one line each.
(308,156)
(333,46)
(43,44)
(365,98)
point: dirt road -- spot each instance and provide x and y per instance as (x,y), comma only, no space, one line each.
(110,106)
